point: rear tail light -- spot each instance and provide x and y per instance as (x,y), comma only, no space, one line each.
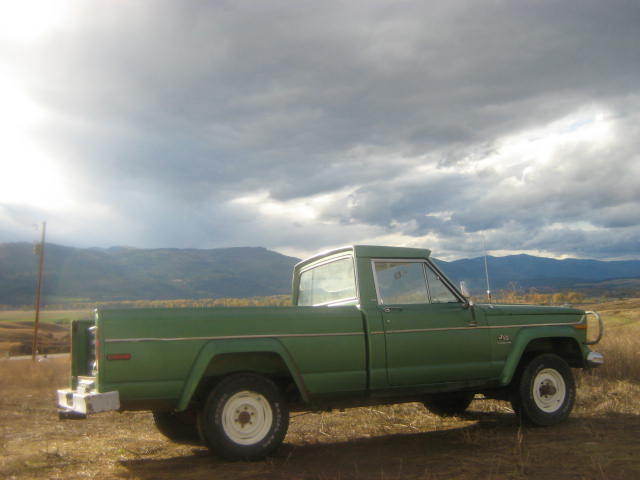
(119,356)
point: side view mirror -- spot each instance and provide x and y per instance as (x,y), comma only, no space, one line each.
(464,290)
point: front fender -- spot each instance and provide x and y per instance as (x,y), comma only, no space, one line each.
(524,338)
(219,347)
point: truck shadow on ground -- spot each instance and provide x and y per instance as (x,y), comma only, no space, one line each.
(364,457)
(401,455)
(495,444)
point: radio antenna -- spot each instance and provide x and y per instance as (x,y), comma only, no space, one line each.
(486,269)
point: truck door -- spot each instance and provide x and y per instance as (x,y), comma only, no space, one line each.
(431,335)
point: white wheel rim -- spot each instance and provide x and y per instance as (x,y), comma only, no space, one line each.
(247,417)
(549,390)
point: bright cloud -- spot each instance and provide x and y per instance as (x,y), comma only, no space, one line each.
(29,176)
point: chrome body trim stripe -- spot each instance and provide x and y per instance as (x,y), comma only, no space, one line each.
(338,334)
(483,327)
(534,325)
(232,337)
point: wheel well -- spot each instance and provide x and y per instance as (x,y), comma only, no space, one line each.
(268,364)
(566,348)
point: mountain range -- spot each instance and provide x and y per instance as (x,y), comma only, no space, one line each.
(526,271)
(123,273)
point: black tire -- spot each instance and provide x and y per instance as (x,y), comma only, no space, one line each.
(448,404)
(244,417)
(546,391)
(178,427)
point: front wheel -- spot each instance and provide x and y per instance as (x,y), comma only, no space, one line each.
(546,392)
(244,417)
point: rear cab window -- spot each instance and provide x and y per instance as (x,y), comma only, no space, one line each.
(330,283)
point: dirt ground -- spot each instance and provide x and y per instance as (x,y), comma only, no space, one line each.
(601,440)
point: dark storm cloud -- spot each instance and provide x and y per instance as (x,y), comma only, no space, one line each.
(164,112)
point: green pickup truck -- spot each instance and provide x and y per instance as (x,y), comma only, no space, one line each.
(369,325)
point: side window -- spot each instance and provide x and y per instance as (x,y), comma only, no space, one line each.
(401,282)
(331,282)
(439,291)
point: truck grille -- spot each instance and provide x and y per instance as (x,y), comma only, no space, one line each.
(92,364)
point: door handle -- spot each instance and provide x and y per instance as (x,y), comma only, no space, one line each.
(473,323)
(391,309)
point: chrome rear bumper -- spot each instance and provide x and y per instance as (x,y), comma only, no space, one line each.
(85,400)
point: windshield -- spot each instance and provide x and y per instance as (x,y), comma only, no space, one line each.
(328,283)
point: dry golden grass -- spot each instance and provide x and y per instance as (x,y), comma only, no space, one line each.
(601,440)
(16,338)
(621,343)
(35,377)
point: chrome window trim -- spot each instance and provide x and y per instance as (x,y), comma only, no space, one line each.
(375,282)
(332,303)
(426,280)
(355,274)
(326,261)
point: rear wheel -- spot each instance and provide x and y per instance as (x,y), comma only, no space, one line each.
(245,417)
(178,427)
(448,404)
(546,392)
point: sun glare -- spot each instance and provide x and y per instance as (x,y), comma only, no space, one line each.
(28,20)
(28,177)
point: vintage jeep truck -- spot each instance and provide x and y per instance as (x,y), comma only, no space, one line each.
(369,325)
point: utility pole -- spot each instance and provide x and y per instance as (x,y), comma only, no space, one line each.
(39,250)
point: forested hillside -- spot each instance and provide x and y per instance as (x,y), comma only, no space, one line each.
(76,274)
(120,273)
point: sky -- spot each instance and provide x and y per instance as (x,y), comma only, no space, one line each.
(300,126)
